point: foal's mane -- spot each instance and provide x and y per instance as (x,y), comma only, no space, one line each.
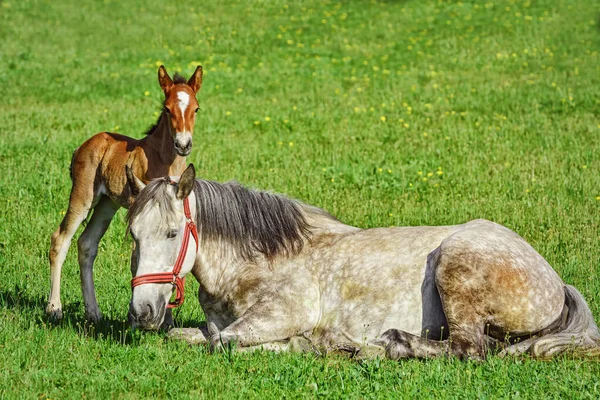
(177,80)
(251,221)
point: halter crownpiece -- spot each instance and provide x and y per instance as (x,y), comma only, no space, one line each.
(173,277)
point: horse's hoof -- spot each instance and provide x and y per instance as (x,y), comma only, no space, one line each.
(370,352)
(190,335)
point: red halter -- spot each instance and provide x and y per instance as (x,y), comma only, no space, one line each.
(173,277)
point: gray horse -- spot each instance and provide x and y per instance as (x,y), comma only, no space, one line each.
(278,274)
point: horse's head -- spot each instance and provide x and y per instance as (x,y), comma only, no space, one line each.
(181,106)
(160,223)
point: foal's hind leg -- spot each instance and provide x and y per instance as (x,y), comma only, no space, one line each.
(80,202)
(88,249)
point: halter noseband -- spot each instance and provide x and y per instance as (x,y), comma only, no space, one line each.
(173,277)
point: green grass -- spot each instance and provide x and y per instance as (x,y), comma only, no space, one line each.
(348,106)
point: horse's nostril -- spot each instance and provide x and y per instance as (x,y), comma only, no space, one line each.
(143,312)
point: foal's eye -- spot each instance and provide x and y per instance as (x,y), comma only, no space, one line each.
(172,233)
(197,108)
(167,110)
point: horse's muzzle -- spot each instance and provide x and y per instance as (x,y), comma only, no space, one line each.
(147,316)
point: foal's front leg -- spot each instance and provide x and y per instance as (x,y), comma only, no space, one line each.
(88,249)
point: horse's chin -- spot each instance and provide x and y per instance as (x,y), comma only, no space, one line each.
(152,326)
(148,324)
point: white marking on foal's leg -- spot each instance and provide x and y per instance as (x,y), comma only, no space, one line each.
(61,240)
(184,101)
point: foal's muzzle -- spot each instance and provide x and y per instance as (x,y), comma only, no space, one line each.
(183,144)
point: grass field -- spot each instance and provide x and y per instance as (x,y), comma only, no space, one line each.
(384,113)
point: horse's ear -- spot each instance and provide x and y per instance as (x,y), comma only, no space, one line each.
(195,81)
(135,184)
(164,79)
(186,182)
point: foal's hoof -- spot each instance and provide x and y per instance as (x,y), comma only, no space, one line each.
(53,313)
(93,317)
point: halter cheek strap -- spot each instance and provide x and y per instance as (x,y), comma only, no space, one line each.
(173,277)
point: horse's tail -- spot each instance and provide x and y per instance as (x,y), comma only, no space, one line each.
(579,336)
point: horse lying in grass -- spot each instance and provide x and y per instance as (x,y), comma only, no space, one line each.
(279,274)
(99,182)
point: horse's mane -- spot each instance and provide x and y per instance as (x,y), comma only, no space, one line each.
(251,221)
(177,80)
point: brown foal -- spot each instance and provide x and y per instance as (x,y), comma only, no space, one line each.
(100,183)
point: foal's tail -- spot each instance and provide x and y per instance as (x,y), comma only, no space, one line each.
(71,165)
(579,336)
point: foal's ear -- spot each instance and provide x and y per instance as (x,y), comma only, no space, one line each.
(164,79)
(135,184)
(195,81)
(186,182)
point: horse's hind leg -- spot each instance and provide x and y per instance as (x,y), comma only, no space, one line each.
(88,249)
(80,202)
(399,344)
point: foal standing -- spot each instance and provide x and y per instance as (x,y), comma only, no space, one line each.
(99,181)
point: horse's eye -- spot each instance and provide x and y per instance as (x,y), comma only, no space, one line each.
(197,108)
(167,110)
(172,233)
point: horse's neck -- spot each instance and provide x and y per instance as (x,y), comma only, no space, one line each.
(160,146)
(218,267)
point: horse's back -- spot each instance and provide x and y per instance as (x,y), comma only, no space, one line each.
(490,269)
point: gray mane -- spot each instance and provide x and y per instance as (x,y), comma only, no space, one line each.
(251,221)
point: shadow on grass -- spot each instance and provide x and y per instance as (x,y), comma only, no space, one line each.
(108,329)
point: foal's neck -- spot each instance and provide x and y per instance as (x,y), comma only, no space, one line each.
(161,142)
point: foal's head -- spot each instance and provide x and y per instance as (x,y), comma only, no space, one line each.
(181,107)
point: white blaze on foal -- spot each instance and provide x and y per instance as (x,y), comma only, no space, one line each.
(184,101)
(183,137)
